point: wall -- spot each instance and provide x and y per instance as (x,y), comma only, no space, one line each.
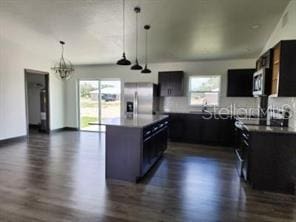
(34,97)
(285,29)
(172,104)
(13,60)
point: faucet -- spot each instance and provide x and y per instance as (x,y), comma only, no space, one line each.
(204,106)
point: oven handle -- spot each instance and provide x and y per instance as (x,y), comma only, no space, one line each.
(238,156)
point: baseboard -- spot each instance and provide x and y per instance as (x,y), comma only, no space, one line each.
(71,129)
(64,129)
(34,126)
(13,140)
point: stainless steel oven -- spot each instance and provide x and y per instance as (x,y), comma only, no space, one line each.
(242,149)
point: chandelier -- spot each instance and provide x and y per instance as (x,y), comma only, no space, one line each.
(63,68)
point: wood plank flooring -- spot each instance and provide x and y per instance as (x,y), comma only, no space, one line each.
(61,177)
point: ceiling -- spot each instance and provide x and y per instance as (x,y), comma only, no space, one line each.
(182,30)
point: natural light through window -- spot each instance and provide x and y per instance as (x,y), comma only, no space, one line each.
(204,90)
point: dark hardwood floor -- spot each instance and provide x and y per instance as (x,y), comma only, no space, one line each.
(61,178)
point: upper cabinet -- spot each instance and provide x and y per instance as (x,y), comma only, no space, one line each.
(265,61)
(284,69)
(240,82)
(171,83)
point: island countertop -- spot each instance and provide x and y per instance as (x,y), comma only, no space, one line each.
(137,121)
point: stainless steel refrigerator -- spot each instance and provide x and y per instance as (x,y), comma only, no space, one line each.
(140,98)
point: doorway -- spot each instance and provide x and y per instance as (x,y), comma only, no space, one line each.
(37,101)
(98,100)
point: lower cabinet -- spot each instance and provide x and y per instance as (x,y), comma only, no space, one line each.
(211,131)
(154,144)
(147,147)
(272,162)
(176,127)
(199,129)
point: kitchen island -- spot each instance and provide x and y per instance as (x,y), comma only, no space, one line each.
(134,145)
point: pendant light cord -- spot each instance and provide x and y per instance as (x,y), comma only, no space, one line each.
(62,55)
(123,27)
(146,45)
(137,35)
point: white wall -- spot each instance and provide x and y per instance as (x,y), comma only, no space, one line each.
(285,29)
(127,75)
(13,60)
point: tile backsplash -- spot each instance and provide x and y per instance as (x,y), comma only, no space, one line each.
(288,102)
(181,104)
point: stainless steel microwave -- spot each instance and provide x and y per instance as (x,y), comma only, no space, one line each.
(261,82)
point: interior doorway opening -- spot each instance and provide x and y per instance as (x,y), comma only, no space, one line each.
(37,101)
(98,100)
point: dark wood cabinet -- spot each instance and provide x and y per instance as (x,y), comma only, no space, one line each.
(284,69)
(240,82)
(176,127)
(272,162)
(154,144)
(197,129)
(265,61)
(194,128)
(171,83)
(147,147)
(211,131)
(227,132)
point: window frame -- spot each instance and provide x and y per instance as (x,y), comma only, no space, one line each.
(190,92)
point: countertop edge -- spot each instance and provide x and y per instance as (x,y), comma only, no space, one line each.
(159,118)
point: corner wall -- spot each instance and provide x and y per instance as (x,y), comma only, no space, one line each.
(285,30)
(13,60)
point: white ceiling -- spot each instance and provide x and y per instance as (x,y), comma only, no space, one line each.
(182,30)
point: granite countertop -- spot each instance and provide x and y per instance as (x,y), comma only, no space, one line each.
(271,129)
(206,113)
(253,125)
(138,121)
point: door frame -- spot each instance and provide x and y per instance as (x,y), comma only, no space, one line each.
(46,75)
(99,102)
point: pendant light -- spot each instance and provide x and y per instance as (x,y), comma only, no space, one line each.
(146,70)
(124,61)
(63,68)
(136,66)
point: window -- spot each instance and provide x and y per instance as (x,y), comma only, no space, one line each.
(204,90)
